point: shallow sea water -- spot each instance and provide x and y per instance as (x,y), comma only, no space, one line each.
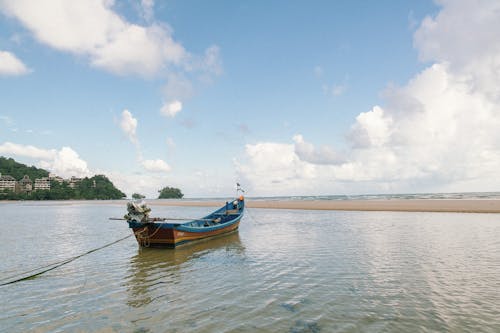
(284,271)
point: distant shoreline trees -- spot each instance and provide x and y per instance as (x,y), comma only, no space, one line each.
(94,188)
(97,187)
(170,193)
(8,166)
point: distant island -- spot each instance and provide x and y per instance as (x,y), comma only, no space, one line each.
(138,196)
(170,193)
(20,182)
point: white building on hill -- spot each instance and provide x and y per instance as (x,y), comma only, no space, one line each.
(42,183)
(73,181)
(7,183)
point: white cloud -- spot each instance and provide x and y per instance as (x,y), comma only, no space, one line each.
(171,109)
(372,128)
(308,153)
(64,162)
(447,141)
(156,165)
(144,184)
(446,37)
(149,184)
(15,149)
(212,61)
(178,87)
(93,29)
(273,168)
(10,65)
(128,124)
(198,183)
(139,50)
(67,163)
(439,132)
(148,9)
(464,35)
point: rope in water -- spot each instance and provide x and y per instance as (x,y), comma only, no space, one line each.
(55,265)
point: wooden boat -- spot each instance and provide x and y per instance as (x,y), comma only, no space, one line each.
(165,232)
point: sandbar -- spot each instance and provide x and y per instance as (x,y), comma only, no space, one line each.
(407,205)
(395,205)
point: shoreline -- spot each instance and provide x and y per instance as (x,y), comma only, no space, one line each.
(406,205)
(491,206)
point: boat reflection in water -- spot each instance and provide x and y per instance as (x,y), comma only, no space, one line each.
(156,273)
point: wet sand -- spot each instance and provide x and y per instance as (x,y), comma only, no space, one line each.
(415,205)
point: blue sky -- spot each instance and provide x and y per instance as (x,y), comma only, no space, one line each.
(286,97)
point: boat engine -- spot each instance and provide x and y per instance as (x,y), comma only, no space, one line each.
(138,212)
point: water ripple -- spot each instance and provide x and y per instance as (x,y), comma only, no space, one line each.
(284,271)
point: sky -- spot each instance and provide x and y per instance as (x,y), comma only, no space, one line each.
(284,97)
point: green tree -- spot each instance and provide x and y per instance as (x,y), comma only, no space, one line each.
(137,196)
(170,193)
(97,187)
(9,166)
(61,191)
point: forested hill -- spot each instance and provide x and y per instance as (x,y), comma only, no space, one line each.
(9,166)
(96,187)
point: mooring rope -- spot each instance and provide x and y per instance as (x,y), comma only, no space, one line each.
(57,264)
(250,215)
(145,240)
